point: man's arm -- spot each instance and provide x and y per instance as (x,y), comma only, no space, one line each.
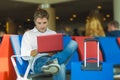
(25,46)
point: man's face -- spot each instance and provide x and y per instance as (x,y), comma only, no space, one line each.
(41,24)
(110,27)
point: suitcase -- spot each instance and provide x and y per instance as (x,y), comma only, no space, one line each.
(86,70)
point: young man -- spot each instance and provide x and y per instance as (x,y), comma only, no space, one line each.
(50,63)
(113,29)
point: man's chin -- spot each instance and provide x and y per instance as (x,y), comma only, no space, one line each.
(42,30)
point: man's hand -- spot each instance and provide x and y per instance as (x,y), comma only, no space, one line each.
(51,53)
(34,52)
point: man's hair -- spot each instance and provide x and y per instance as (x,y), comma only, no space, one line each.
(41,13)
(114,23)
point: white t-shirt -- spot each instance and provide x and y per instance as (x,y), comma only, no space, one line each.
(29,41)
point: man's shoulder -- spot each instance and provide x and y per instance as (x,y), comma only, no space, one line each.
(29,32)
(51,31)
(115,33)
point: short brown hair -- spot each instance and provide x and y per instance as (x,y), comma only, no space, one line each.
(41,13)
(114,23)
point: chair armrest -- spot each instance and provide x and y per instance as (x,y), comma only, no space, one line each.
(15,65)
(25,76)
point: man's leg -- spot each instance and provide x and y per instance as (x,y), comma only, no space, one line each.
(64,56)
(61,74)
(38,63)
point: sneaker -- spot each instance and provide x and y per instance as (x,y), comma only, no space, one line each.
(51,67)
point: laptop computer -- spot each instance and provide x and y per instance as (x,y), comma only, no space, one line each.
(50,43)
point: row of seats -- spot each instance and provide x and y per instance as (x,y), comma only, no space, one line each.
(13,44)
(109,55)
(109,51)
(109,48)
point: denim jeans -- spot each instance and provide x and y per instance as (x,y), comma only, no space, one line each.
(63,57)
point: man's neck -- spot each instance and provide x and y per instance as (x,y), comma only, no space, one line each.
(42,31)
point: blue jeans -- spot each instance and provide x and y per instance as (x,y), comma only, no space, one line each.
(63,57)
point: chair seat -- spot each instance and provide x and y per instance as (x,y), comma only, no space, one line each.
(40,75)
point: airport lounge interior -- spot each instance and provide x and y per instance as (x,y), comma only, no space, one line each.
(59,39)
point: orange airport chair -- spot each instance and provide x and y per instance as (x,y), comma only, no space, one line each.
(6,68)
(91,48)
(118,39)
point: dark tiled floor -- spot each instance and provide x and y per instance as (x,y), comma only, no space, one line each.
(50,78)
(68,75)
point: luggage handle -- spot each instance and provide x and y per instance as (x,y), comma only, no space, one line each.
(91,39)
(87,59)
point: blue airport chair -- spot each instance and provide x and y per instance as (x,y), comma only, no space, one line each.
(110,49)
(22,67)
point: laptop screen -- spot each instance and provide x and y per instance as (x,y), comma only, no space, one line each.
(50,43)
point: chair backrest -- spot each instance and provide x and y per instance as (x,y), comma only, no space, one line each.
(16,44)
(91,49)
(110,49)
(6,67)
(118,39)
